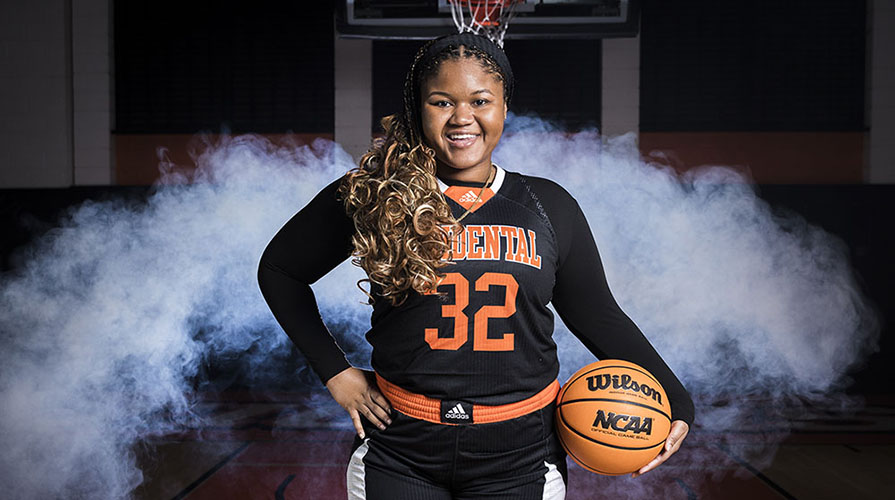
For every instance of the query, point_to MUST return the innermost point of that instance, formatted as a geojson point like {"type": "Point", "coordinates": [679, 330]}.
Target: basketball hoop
{"type": "Point", "coordinates": [484, 17]}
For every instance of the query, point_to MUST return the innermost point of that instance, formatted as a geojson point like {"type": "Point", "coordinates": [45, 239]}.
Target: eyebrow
{"type": "Point", "coordinates": [439, 92]}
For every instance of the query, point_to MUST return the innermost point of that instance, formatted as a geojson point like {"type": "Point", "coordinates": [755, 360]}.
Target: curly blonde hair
{"type": "Point", "coordinates": [398, 211]}
{"type": "Point", "coordinates": [400, 215]}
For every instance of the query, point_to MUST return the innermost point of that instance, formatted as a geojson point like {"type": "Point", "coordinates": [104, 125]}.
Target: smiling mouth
{"type": "Point", "coordinates": [461, 140]}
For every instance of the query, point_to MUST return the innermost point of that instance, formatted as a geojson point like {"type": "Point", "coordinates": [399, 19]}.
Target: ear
{"type": "Point", "coordinates": [504, 110]}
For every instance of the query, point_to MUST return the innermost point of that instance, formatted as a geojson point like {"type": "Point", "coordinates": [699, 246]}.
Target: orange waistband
{"type": "Point", "coordinates": [431, 409]}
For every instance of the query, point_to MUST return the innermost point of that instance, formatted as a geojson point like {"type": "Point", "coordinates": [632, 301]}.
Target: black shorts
{"type": "Point", "coordinates": [413, 459]}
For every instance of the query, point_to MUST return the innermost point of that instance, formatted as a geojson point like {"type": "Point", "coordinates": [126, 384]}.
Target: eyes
{"type": "Point", "coordinates": [443, 103]}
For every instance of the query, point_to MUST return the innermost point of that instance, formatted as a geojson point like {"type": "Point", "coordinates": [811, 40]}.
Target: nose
{"type": "Point", "coordinates": [463, 115]}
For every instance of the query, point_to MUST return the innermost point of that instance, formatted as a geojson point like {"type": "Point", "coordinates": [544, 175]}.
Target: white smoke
{"type": "Point", "coordinates": [107, 324]}
{"type": "Point", "coordinates": [757, 313]}
{"type": "Point", "coordinates": [717, 281]}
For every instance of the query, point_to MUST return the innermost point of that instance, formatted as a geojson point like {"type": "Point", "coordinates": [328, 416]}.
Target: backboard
{"type": "Point", "coordinates": [534, 19]}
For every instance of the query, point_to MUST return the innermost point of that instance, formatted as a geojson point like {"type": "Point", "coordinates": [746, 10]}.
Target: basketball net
{"type": "Point", "coordinates": [484, 17]}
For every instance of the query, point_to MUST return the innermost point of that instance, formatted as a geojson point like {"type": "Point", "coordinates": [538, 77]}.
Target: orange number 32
{"type": "Point", "coordinates": [481, 341]}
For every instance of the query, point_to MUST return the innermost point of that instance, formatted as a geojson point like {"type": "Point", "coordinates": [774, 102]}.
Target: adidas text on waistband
{"type": "Point", "coordinates": [453, 412]}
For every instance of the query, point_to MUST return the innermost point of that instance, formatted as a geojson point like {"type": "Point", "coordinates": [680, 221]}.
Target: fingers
{"type": "Point", "coordinates": [378, 408]}
{"type": "Point", "coordinates": [676, 435]}
{"type": "Point", "coordinates": [355, 390]}
{"type": "Point", "coordinates": [673, 442]}
{"type": "Point", "coordinates": [652, 465]}
{"type": "Point", "coordinates": [679, 431]}
{"type": "Point", "coordinates": [374, 395]}
{"type": "Point", "coordinates": [375, 414]}
{"type": "Point", "coordinates": [379, 416]}
{"type": "Point", "coordinates": [381, 401]}
{"type": "Point", "coordinates": [373, 407]}
{"type": "Point", "coordinates": [358, 426]}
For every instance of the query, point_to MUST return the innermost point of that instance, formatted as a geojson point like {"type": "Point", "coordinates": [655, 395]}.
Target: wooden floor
{"type": "Point", "coordinates": [285, 446]}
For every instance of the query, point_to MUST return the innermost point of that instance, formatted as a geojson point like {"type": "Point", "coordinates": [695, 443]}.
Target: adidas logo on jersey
{"type": "Point", "coordinates": [457, 412]}
{"type": "Point", "coordinates": [469, 197]}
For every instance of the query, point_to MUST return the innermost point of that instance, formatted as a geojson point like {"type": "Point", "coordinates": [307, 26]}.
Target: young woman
{"type": "Point", "coordinates": [462, 258]}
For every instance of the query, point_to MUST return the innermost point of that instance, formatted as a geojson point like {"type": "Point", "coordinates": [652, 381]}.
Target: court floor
{"type": "Point", "coordinates": [284, 446]}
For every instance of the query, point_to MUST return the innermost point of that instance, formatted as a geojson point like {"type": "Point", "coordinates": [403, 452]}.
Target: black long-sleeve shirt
{"type": "Point", "coordinates": [488, 338]}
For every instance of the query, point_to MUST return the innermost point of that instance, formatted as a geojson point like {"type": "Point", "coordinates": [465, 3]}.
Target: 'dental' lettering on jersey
{"type": "Point", "coordinates": [494, 242]}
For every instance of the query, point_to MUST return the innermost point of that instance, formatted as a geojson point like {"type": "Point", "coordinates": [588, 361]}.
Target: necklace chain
{"type": "Point", "coordinates": [491, 175]}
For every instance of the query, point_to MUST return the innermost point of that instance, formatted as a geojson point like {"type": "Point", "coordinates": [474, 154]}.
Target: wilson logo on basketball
{"type": "Point", "coordinates": [624, 383]}
{"type": "Point", "coordinates": [624, 423]}
{"type": "Point", "coordinates": [613, 423]}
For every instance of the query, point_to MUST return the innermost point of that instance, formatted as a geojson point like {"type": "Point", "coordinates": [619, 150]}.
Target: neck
{"type": "Point", "coordinates": [478, 173]}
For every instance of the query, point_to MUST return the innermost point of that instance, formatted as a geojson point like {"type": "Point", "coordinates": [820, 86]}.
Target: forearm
{"type": "Point", "coordinates": [309, 245]}
{"type": "Point", "coordinates": [615, 336]}
{"type": "Point", "coordinates": [585, 303]}
{"type": "Point", "coordinates": [294, 306]}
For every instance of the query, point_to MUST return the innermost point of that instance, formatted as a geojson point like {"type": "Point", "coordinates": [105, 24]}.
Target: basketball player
{"type": "Point", "coordinates": [462, 258]}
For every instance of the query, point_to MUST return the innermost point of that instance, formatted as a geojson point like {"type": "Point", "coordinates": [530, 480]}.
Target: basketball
{"type": "Point", "coordinates": [612, 417]}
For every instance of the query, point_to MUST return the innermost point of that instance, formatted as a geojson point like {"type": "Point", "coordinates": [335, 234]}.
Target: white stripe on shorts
{"type": "Point", "coordinates": [356, 473]}
{"type": "Point", "coordinates": [554, 487]}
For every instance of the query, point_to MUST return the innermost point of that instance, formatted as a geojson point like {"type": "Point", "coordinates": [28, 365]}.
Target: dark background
{"type": "Point", "coordinates": [705, 66]}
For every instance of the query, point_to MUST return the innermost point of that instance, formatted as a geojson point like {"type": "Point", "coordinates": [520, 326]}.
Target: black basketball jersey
{"type": "Point", "coordinates": [486, 337]}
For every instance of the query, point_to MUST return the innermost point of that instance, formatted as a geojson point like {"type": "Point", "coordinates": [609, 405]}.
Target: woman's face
{"type": "Point", "coordinates": [463, 111]}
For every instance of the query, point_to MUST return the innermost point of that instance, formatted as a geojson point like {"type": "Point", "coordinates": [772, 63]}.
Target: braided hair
{"type": "Point", "coordinates": [393, 195]}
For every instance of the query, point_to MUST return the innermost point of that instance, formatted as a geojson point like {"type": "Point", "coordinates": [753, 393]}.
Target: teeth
{"type": "Point", "coordinates": [457, 137]}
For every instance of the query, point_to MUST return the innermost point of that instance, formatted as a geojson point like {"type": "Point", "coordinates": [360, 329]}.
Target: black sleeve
{"type": "Point", "coordinates": [582, 298]}
{"type": "Point", "coordinates": [312, 243]}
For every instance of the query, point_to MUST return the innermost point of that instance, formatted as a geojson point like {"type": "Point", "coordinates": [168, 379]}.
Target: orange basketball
{"type": "Point", "coordinates": [612, 417]}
